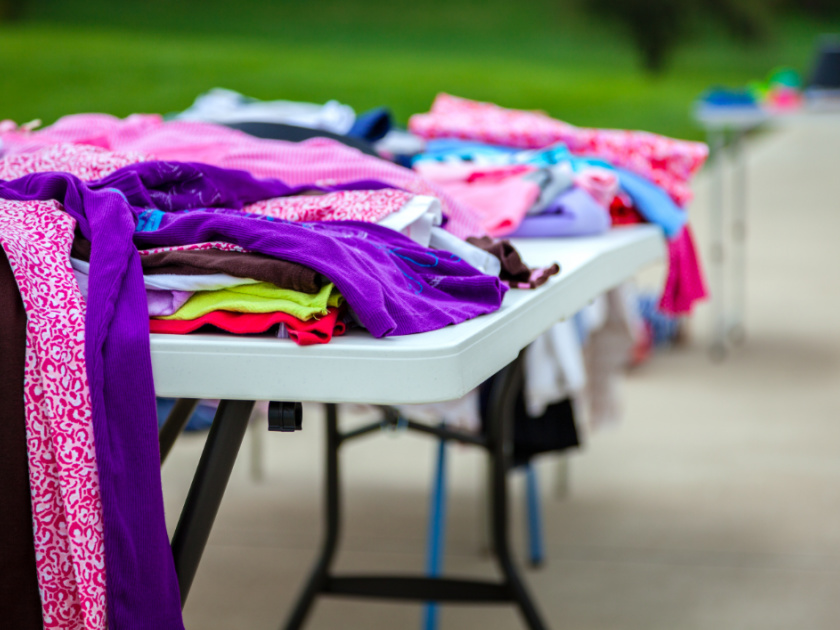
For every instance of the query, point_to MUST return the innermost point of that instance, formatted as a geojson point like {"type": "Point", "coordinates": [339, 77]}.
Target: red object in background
{"type": "Point", "coordinates": [622, 211]}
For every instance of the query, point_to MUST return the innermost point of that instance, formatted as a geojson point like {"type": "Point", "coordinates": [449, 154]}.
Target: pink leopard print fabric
{"type": "Point", "coordinates": [351, 205]}
{"type": "Point", "coordinates": [667, 162]}
{"type": "Point", "coordinates": [220, 245]}
{"type": "Point", "coordinates": [85, 162]}
{"type": "Point", "coordinates": [66, 504]}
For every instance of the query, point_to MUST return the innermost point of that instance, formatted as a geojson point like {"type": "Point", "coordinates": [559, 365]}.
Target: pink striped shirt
{"type": "Point", "coordinates": [318, 161]}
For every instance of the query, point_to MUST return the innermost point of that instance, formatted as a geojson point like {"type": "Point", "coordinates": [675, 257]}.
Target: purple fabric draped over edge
{"type": "Point", "coordinates": [395, 286]}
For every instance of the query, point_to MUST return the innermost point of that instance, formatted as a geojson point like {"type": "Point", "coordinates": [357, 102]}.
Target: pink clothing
{"type": "Point", "coordinates": [498, 195]}
{"type": "Point", "coordinates": [667, 162]}
{"type": "Point", "coordinates": [350, 205]}
{"type": "Point", "coordinates": [318, 161]}
{"type": "Point", "coordinates": [685, 284]}
{"type": "Point", "coordinates": [64, 482]}
{"type": "Point", "coordinates": [601, 183]}
{"type": "Point", "coordinates": [91, 163]}
{"type": "Point", "coordinates": [85, 162]}
{"type": "Point", "coordinates": [220, 245]}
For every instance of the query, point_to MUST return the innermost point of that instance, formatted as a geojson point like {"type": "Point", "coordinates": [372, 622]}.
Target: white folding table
{"type": "Point", "coordinates": [737, 122]}
{"type": "Point", "coordinates": [724, 124]}
{"type": "Point", "coordinates": [429, 367]}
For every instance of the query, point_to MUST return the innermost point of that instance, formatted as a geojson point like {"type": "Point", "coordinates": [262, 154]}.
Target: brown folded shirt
{"type": "Point", "coordinates": [285, 274]}
{"type": "Point", "coordinates": [20, 603]}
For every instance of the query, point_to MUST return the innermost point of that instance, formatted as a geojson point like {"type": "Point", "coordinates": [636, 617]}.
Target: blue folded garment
{"type": "Point", "coordinates": [724, 97]}
{"type": "Point", "coordinates": [372, 125]}
{"type": "Point", "coordinates": [652, 202]}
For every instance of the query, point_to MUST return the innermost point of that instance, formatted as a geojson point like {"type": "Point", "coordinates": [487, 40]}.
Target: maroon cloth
{"type": "Point", "coordinates": [515, 273]}
{"type": "Point", "coordinates": [282, 273]}
{"type": "Point", "coordinates": [20, 603]}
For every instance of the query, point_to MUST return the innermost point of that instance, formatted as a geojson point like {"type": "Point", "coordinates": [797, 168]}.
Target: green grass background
{"type": "Point", "coordinates": [71, 56]}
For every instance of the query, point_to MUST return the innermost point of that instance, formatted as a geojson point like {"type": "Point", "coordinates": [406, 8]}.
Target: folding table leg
{"type": "Point", "coordinates": [536, 551]}
{"type": "Point", "coordinates": [500, 439]}
{"type": "Point", "coordinates": [437, 535]}
{"type": "Point", "coordinates": [717, 252]}
{"type": "Point", "coordinates": [332, 512]}
{"type": "Point", "coordinates": [174, 425]}
{"type": "Point", "coordinates": [424, 589]}
{"type": "Point", "coordinates": [208, 488]}
{"type": "Point", "coordinates": [736, 326]}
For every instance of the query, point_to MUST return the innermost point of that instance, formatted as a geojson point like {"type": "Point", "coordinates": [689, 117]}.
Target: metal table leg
{"type": "Point", "coordinates": [436, 543]}
{"type": "Point", "coordinates": [533, 517]}
{"type": "Point", "coordinates": [736, 330]}
{"type": "Point", "coordinates": [208, 488]}
{"type": "Point", "coordinates": [717, 253]}
{"type": "Point", "coordinates": [500, 442]}
{"type": "Point", "coordinates": [317, 580]}
{"type": "Point", "coordinates": [174, 425]}
{"type": "Point", "coordinates": [422, 588]}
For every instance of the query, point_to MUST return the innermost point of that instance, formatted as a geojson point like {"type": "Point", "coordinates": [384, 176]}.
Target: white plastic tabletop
{"type": "Point", "coordinates": [719, 118]}
{"type": "Point", "coordinates": [428, 367]}
{"type": "Point", "coordinates": [731, 117]}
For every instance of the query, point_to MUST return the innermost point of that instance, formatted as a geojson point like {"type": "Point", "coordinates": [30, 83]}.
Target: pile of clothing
{"type": "Point", "coordinates": [526, 174]}
{"type": "Point", "coordinates": [294, 220]}
{"type": "Point", "coordinates": [780, 92]}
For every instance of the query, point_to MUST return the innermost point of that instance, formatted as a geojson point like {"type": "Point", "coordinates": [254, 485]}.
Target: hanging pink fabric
{"type": "Point", "coordinates": [66, 504]}
{"type": "Point", "coordinates": [318, 161]}
{"type": "Point", "coordinates": [685, 284]}
{"type": "Point", "coordinates": [667, 162]}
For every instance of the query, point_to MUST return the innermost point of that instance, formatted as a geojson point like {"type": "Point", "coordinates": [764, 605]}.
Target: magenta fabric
{"type": "Point", "coordinates": [685, 284]}
{"type": "Point", "coordinates": [318, 161]}
{"type": "Point", "coordinates": [668, 162]}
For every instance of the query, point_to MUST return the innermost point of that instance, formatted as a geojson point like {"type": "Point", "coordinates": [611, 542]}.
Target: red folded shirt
{"type": "Point", "coordinates": [304, 333]}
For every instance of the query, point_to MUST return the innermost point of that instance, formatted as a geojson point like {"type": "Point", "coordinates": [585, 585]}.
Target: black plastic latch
{"type": "Point", "coordinates": [285, 416]}
{"type": "Point", "coordinates": [392, 420]}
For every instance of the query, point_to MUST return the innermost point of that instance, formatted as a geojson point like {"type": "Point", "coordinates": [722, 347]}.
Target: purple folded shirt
{"type": "Point", "coordinates": [163, 303]}
{"type": "Point", "coordinates": [574, 213]}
